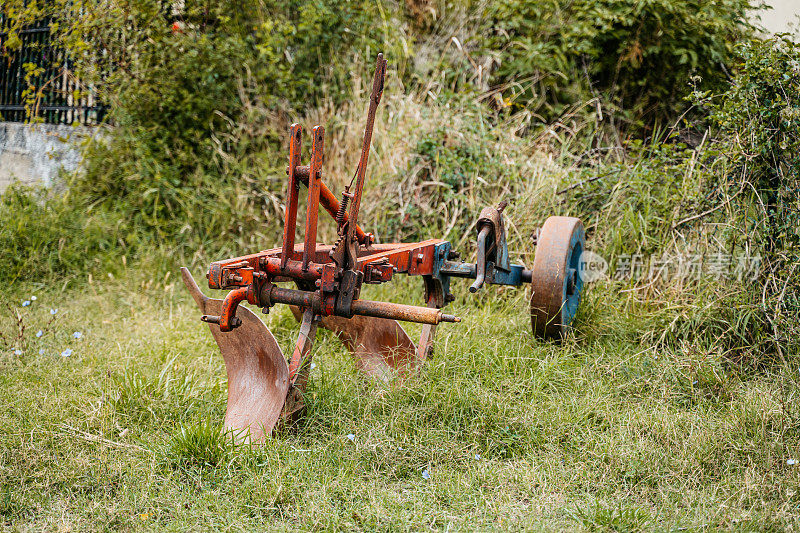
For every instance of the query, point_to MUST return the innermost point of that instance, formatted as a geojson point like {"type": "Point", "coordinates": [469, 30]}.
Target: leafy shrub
{"type": "Point", "coordinates": [735, 193]}
{"type": "Point", "coordinates": [759, 121]}
{"type": "Point", "coordinates": [178, 165]}
{"type": "Point", "coordinates": [760, 117]}
{"type": "Point", "coordinates": [555, 55]}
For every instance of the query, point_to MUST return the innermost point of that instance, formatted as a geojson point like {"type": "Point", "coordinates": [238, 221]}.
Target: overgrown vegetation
{"type": "Point", "coordinates": [201, 96]}
{"type": "Point", "coordinates": [42, 235]}
{"type": "Point", "coordinates": [670, 407]}
{"type": "Point", "coordinates": [630, 61]}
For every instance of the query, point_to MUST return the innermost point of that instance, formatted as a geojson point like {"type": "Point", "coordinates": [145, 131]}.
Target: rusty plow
{"type": "Point", "coordinates": [325, 282]}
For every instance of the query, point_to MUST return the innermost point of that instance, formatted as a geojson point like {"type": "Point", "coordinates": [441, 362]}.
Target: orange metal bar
{"type": "Point", "coordinates": [290, 223]}
{"type": "Point", "coordinates": [314, 182]}
{"type": "Point", "coordinates": [331, 204]}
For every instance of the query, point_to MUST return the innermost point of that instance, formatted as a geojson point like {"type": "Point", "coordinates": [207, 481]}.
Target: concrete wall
{"type": "Point", "coordinates": [782, 18]}
{"type": "Point", "coordinates": [34, 153]}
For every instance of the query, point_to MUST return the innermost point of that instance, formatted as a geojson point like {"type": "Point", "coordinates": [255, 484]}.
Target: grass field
{"type": "Point", "coordinates": [499, 431]}
{"type": "Point", "coordinates": [673, 136]}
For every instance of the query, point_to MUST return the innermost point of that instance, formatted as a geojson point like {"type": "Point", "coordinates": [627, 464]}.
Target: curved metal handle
{"type": "Point", "coordinates": [227, 319]}
{"type": "Point", "coordinates": [480, 265]}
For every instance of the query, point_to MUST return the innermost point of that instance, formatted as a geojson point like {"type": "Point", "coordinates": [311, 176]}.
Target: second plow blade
{"type": "Point", "coordinates": [381, 347]}
{"type": "Point", "coordinates": [258, 376]}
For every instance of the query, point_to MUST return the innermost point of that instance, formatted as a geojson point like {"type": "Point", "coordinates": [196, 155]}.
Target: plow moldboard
{"type": "Point", "coordinates": [258, 376]}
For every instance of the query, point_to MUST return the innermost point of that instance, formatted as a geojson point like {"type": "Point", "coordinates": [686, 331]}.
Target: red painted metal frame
{"type": "Point", "coordinates": [415, 259]}
{"type": "Point", "coordinates": [336, 271]}
{"type": "Point", "coordinates": [314, 181]}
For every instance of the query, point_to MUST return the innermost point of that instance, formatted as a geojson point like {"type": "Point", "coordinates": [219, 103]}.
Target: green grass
{"type": "Point", "coordinates": [600, 433]}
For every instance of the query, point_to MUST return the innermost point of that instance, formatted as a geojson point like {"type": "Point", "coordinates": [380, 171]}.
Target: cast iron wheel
{"type": "Point", "coordinates": [556, 283]}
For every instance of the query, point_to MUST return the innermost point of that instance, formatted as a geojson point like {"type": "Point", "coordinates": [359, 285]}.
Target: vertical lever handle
{"type": "Point", "coordinates": [480, 264]}
{"type": "Point", "coordinates": [375, 98]}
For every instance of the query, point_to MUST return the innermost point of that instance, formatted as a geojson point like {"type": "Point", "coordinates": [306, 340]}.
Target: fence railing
{"type": "Point", "coordinates": [37, 82]}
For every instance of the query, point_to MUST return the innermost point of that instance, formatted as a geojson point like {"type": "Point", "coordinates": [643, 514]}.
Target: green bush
{"type": "Point", "coordinates": [633, 55]}
{"type": "Point", "coordinates": [759, 121]}
{"type": "Point", "coordinates": [200, 110]}
{"type": "Point", "coordinates": [759, 116]}
{"type": "Point", "coordinates": [736, 193]}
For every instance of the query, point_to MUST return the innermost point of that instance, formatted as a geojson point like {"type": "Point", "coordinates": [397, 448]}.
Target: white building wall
{"type": "Point", "coordinates": [784, 17]}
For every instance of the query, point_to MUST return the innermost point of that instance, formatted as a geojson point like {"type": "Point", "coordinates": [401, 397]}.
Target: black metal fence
{"type": "Point", "coordinates": [37, 81]}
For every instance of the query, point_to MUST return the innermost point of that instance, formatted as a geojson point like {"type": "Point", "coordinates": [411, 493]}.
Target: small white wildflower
{"type": "Point", "coordinates": [77, 334]}
{"type": "Point", "coordinates": [33, 298]}
{"type": "Point", "coordinates": [41, 351]}
{"type": "Point", "coordinates": [66, 353]}
{"type": "Point", "coordinates": [426, 474]}
{"type": "Point", "coordinates": [351, 437]}
{"type": "Point", "coordinates": [26, 303]}
{"type": "Point", "coordinates": [694, 383]}
{"type": "Point", "coordinates": [791, 462]}
{"type": "Point", "coordinates": [53, 311]}
{"type": "Point", "coordinates": [477, 457]}
{"type": "Point", "coordinates": [39, 333]}
{"type": "Point", "coordinates": [17, 352]}
{"type": "Point", "coordinates": [313, 366]}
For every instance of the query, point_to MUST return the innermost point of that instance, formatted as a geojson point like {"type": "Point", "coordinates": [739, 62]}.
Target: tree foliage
{"type": "Point", "coordinates": [635, 56]}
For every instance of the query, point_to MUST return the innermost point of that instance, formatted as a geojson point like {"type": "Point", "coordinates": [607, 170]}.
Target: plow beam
{"type": "Point", "coordinates": [311, 300]}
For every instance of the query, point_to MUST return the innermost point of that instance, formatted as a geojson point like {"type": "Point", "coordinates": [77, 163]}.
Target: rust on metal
{"type": "Point", "coordinates": [314, 182]}
{"type": "Point", "coordinates": [555, 284]}
{"type": "Point", "coordinates": [381, 347]}
{"type": "Point", "coordinates": [361, 171]}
